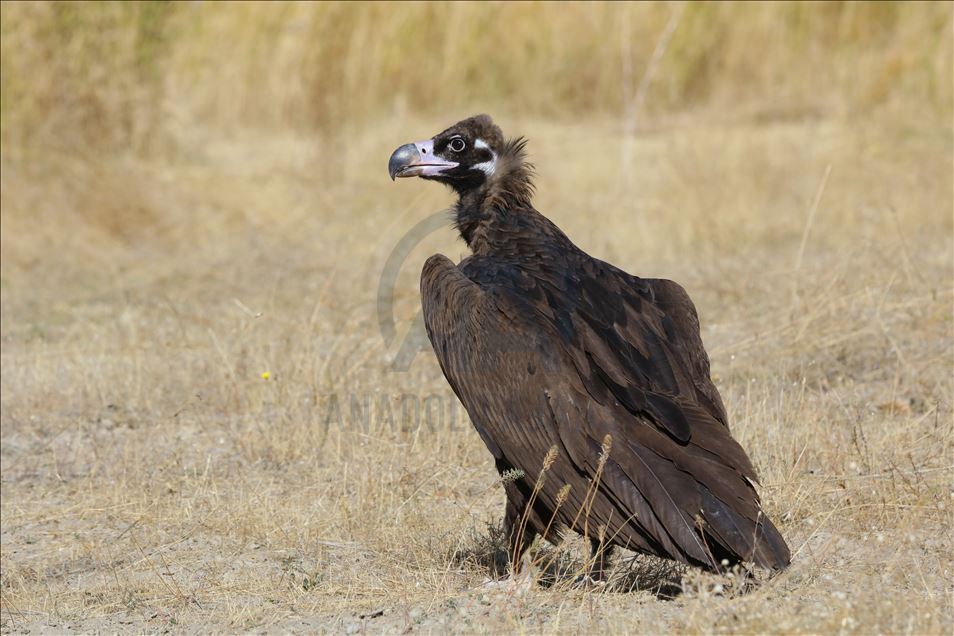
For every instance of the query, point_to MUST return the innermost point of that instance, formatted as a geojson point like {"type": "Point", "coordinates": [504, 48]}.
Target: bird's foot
{"type": "Point", "coordinates": [497, 584]}
{"type": "Point", "coordinates": [591, 581]}
{"type": "Point", "coordinates": [514, 584]}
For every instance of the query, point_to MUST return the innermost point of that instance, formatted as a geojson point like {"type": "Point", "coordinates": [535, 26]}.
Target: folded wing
{"type": "Point", "coordinates": [542, 361]}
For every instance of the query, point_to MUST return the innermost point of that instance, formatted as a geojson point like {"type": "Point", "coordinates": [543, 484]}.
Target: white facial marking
{"type": "Point", "coordinates": [488, 167]}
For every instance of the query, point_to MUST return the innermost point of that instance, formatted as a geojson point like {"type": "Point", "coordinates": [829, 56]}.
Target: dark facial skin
{"type": "Point", "coordinates": [472, 144]}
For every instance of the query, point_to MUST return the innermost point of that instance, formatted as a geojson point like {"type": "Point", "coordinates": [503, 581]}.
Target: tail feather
{"type": "Point", "coordinates": [744, 539]}
{"type": "Point", "coordinates": [771, 551]}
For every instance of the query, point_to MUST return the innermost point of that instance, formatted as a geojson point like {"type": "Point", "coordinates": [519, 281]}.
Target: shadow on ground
{"type": "Point", "coordinates": [561, 566]}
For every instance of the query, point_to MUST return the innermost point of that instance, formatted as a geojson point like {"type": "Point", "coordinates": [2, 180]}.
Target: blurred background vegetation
{"type": "Point", "coordinates": [155, 140]}
{"type": "Point", "coordinates": [141, 76]}
{"type": "Point", "coordinates": [195, 193]}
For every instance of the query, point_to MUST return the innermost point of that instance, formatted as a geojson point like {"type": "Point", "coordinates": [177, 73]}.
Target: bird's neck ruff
{"type": "Point", "coordinates": [508, 190]}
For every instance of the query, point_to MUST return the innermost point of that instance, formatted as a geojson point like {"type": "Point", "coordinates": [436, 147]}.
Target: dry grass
{"type": "Point", "coordinates": [118, 75]}
{"type": "Point", "coordinates": [152, 479]}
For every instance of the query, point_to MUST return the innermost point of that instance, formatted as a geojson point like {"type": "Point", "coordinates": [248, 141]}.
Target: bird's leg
{"type": "Point", "coordinates": [597, 569]}
{"type": "Point", "coordinates": [600, 553]}
{"type": "Point", "coordinates": [517, 535]}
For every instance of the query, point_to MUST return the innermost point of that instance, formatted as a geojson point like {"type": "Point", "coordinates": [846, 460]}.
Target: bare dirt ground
{"type": "Point", "coordinates": [202, 430]}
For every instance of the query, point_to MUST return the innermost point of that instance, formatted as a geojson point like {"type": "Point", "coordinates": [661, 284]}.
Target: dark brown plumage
{"type": "Point", "coordinates": [549, 348]}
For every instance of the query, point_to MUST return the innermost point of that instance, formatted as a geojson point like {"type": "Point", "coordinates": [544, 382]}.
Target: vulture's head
{"type": "Point", "coordinates": [467, 156]}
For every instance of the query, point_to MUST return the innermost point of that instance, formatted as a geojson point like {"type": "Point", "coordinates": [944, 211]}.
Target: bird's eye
{"type": "Point", "coordinates": [457, 144]}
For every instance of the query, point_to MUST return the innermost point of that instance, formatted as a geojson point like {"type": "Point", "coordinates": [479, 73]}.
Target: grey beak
{"type": "Point", "coordinates": [404, 157]}
{"type": "Point", "coordinates": [418, 160]}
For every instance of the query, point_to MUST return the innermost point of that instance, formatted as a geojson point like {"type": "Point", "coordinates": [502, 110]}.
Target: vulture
{"type": "Point", "coordinates": [589, 386]}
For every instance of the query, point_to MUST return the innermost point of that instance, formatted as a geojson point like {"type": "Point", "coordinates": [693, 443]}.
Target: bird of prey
{"type": "Point", "coordinates": [589, 386]}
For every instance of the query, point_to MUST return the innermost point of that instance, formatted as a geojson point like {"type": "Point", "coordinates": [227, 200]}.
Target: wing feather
{"type": "Point", "coordinates": [565, 360]}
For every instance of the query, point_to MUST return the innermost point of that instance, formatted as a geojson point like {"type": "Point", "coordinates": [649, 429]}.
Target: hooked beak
{"type": "Point", "coordinates": [417, 160]}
